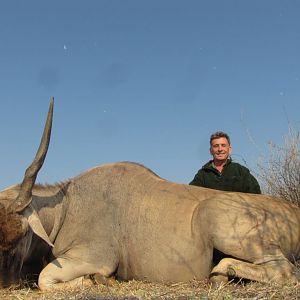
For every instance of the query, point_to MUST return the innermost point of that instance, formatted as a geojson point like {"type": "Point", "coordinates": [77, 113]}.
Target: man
{"type": "Point", "coordinates": [221, 173]}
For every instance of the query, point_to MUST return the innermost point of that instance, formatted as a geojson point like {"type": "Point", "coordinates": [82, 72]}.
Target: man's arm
{"type": "Point", "coordinates": [252, 184]}
{"type": "Point", "coordinates": [198, 179]}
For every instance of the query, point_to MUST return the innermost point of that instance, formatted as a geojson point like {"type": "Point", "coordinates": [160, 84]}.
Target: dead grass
{"type": "Point", "coordinates": [141, 290]}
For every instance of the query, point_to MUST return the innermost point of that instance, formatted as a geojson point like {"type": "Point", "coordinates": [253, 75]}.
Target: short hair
{"type": "Point", "coordinates": [219, 134]}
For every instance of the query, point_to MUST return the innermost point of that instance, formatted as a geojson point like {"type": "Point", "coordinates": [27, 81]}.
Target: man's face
{"type": "Point", "coordinates": [220, 149]}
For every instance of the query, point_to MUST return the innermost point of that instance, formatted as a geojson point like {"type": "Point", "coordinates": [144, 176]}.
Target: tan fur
{"type": "Point", "coordinates": [9, 193]}
{"type": "Point", "coordinates": [121, 219]}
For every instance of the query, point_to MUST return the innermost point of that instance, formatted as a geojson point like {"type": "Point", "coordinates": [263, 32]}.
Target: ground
{"type": "Point", "coordinates": [141, 290]}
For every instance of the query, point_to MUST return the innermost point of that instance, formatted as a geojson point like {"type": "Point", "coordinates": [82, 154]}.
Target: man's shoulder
{"type": "Point", "coordinates": [207, 166]}
{"type": "Point", "coordinates": [236, 165]}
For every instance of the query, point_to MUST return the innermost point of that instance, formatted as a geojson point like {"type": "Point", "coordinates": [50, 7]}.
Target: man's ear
{"type": "Point", "coordinates": [230, 150]}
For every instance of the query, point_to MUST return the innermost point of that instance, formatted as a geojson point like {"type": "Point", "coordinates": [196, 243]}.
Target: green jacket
{"type": "Point", "coordinates": [234, 177]}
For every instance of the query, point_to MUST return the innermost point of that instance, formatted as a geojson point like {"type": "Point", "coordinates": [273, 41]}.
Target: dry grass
{"type": "Point", "coordinates": [142, 290]}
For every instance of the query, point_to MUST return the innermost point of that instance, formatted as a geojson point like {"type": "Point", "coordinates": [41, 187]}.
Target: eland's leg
{"type": "Point", "coordinates": [69, 271]}
{"type": "Point", "coordinates": [274, 269]}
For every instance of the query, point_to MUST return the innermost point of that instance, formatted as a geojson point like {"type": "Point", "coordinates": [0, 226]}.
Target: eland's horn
{"type": "Point", "coordinates": [25, 194]}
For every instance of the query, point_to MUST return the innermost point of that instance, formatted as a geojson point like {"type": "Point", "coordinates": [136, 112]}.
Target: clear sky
{"type": "Point", "coordinates": [145, 81]}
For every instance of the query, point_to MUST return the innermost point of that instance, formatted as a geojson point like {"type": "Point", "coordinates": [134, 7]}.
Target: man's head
{"type": "Point", "coordinates": [220, 147]}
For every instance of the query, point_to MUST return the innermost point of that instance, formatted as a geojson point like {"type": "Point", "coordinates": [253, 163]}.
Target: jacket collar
{"type": "Point", "coordinates": [210, 165]}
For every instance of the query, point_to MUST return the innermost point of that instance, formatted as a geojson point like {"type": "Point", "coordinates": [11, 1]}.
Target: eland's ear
{"type": "Point", "coordinates": [35, 224]}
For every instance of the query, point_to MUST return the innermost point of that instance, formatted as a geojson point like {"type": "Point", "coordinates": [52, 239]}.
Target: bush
{"type": "Point", "coordinates": [280, 172]}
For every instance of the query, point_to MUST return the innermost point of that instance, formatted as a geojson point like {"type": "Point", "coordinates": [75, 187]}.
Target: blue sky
{"type": "Point", "coordinates": [145, 81]}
